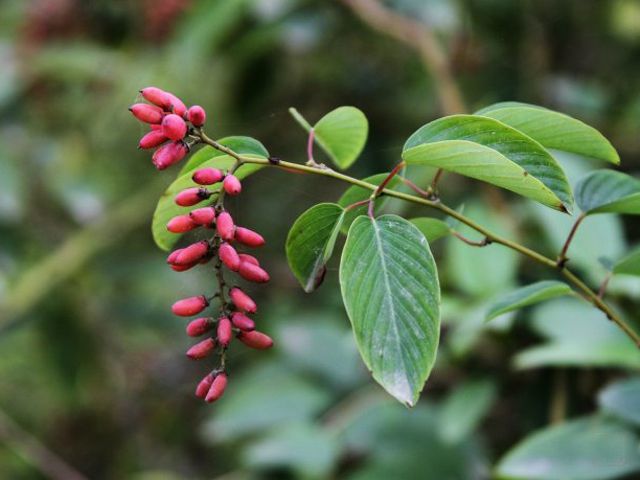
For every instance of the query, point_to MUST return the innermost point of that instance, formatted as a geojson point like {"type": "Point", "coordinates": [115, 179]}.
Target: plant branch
{"type": "Point", "coordinates": [491, 237]}
{"type": "Point", "coordinates": [562, 258]}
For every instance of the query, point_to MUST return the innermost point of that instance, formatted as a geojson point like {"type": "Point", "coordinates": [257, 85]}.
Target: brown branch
{"type": "Point", "coordinates": [420, 38]}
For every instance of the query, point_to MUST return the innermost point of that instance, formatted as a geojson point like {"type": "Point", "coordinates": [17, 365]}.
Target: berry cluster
{"type": "Point", "coordinates": [169, 132]}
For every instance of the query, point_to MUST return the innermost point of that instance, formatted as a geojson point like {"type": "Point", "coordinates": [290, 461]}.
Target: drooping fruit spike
{"type": "Point", "coordinates": [146, 113]}
{"type": "Point", "coordinates": [225, 226]}
{"type": "Point", "coordinates": [174, 127]}
{"type": "Point", "coordinates": [196, 115]}
{"type": "Point", "coordinates": [181, 224]}
{"type": "Point", "coordinates": [255, 339]}
{"type": "Point", "coordinates": [178, 107]}
{"type": "Point", "coordinates": [248, 237]}
{"type": "Point", "coordinates": [169, 154]}
{"type": "Point", "coordinates": [217, 388]}
{"type": "Point", "coordinates": [157, 96]}
{"type": "Point", "coordinates": [193, 253]}
{"type": "Point", "coordinates": [231, 185]}
{"type": "Point", "coordinates": [207, 176]}
{"type": "Point", "coordinates": [242, 301]}
{"type": "Point", "coordinates": [152, 139]}
{"type": "Point", "coordinates": [229, 257]}
{"type": "Point", "coordinates": [192, 196]}
{"type": "Point", "coordinates": [190, 306]}
{"type": "Point", "coordinates": [201, 349]}
{"type": "Point", "coordinates": [224, 331]}
{"type": "Point", "coordinates": [253, 273]}
{"type": "Point", "coordinates": [204, 386]}
{"type": "Point", "coordinates": [241, 321]}
{"type": "Point", "coordinates": [203, 216]}
{"type": "Point", "coordinates": [245, 257]}
{"type": "Point", "coordinates": [199, 326]}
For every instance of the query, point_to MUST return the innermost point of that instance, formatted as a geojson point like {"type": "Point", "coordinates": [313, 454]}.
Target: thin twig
{"type": "Point", "coordinates": [562, 257]}
{"type": "Point", "coordinates": [603, 286]}
{"type": "Point", "coordinates": [482, 243]}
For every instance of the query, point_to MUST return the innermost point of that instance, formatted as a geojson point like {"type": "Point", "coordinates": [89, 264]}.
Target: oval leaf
{"type": "Point", "coordinates": [391, 293]}
{"type": "Point", "coordinates": [239, 144]}
{"type": "Point", "coordinates": [483, 163]}
{"type": "Point", "coordinates": [509, 142]}
{"type": "Point", "coordinates": [585, 449]}
{"type": "Point", "coordinates": [310, 243]}
{"type": "Point", "coordinates": [432, 228]}
{"type": "Point", "coordinates": [529, 295]}
{"type": "Point", "coordinates": [608, 191]}
{"type": "Point", "coordinates": [355, 194]}
{"type": "Point", "coordinates": [622, 400]}
{"type": "Point", "coordinates": [629, 264]}
{"type": "Point", "coordinates": [553, 129]}
{"type": "Point", "coordinates": [342, 133]}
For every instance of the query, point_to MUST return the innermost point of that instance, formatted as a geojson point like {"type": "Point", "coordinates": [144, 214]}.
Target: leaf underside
{"type": "Point", "coordinates": [529, 295]}
{"type": "Point", "coordinates": [608, 191]}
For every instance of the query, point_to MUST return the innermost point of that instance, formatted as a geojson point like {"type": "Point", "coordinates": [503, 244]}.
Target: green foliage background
{"type": "Point", "coordinates": [91, 360]}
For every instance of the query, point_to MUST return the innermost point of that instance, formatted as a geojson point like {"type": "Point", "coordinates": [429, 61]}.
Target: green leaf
{"type": "Point", "coordinates": [629, 264]}
{"type": "Point", "coordinates": [391, 293]}
{"type": "Point", "coordinates": [591, 448]}
{"type": "Point", "coordinates": [577, 335]}
{"type": "Point", "coordinates": [608, 191]}
{"type": "Point", "coordinates": [432, 228]}
{"type": "Point", "coordinates": [304, 448]}
{"type": "Point", "coordinates": [239, 144]}
{"type": "Point", "coordinates": [480, 162]}
{"type": "Point", "coordinates": [522, 297]}
{"type": "Point", "coordinates": [342, 134]}
{"type": "Point", "coordinates": [355, 194]}
{"type": "Point", "coordinates": [511, 160]}
{"type": "Point", "coordinates": [167, 208]}
{"type": "Point", "coordinates": [622, 400]}
{"type": "Point", "coordinates": [310, 243]}
{"type": "Point", "coordinates": [553, 129]}
{"type": "Point", "coordinates": [464, 408]}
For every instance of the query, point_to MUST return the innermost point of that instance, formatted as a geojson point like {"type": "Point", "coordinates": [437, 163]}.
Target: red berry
{"type": "Point", "coordinates": [192, 196]}
{"type": "Point", "coordinates": [203, 216]}
{"type": "Point", "coordinates": [199, 326]}
{"type": "Point", "coordinates": [229, 257]}
{"type": "Point", "coordinates": [183, 268]}
{"type": "Point", "coordinates": [190, 306]}
{"type": "Point", "coordinates": [248, 237]}
{"type": "Point", "coordinates": [178, 107]}
{"type": "Point", "coordinates": [217, 388]}
{"type": "Point", "coordinates": [253, 273]}
{"type": "Point", "coordinates": [232, 185]}
{"type": "Point", "coordinates": [152, 139]}
{"type": "Point", "coordinates": [204, 386]}
{"type": "Point", "coordinates": [169, 154]}
{"type": "Point", "coordinates": [245, 257]}
{"type": "Point", "coordinates": [196, 115]}
{"type": "Point", "coordinates": [255, 339]}
{"type": "Point", "coordinates": [242, 301]}
{"type": "Point", "coordinates": [225, 226]}
{"type": "Point", "coordinates": [157, 96]}
{"type": "Point", "coordinates": [174, 127]}
{"type": "Point", "coordinates": [181, 224]}
{"type": "Point", "coordinates": [224, 331]}
{"type": "Point", "coordinates": [241, 321]}
{"type": "Point", "coordinates": [201, 349]}
{"type": "Point", "coordinates": [146, 113]}
{"type": "Point", "coordinates": [193, 253]}
{"type": "Point", "coordinates": [207, 176]}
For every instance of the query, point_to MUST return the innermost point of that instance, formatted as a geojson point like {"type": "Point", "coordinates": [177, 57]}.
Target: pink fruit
{"type": "Point", "coordinates": [173, 127]}
{"type": "Point", "coordinates": [192, 196]}
{"type": "Point", "coordinates": [242, 301]}
{"type": "Point", "coordinates": [204, 386]}
{"type": "Point", "coordinates": [181, 224]}
{"type": "Point", "coordinates": [196, 115]}
{"type": "Point", "coordinates": [183, 268]}
{"type": "Point", "coordinates": [176, 105]}
{"type": "Point", "coordinates": [217, 388]}
{"type": "Point", "coordinates": [224, 331]}
{"type": "Point", "coordinates": [152, 139]}
{"type": "Point", "coordinates": [255, 339]}
{"type": "Point", "coordinates": [203, 216]}
{"type": "Point", "coordinates": [232, 185]}
{"type": "Point", "coordinates": [201, 349]}
{"type": "Point", "coordinates": [190, 306]}
{"type": "Point", "coordinates": [245, 257]}
{"type": "Point", "coordinates": [199, 326]}
{"type": "Point", "coordinates": [193, 253]}
{"type": "Point", "coordinates": [229, 257]}
{"type": "Point", "coordinates": [253, 273]}
{"type": "Point", "coordinates": [168, 154]}
{"type": "Point", "coordinates": [207, 176]}
{"type": "Point", "coordinates": [241, 321]}
{"type": "Point", "coordinates": [146, 113]}
{"type": "Point", "coordinates": [225, 226]}
{"type": "Point", "coordinates": [157, 96]}
{"type": "Point", "coordinates": [248, 237]}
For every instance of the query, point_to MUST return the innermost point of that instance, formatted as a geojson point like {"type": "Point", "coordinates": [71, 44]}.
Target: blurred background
{"type": "Point", "coordinates": [93, 378]}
